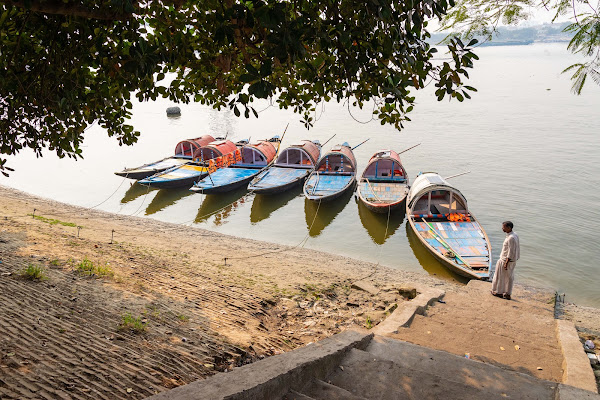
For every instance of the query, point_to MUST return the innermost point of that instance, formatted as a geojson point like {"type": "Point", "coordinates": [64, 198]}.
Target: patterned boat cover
{"type": "Point", "coordinates": [226, 176]}
{"type": "Point", "coordinates": [326, 185]}
{"type": "Point", "coordinates": [276, 176]}
{"type": "Point", "coordinates": [383, 192]}
{"type": "Point", "coordinates": [182, 172]}
{"type": "Point", "coordinates": [466, 238]}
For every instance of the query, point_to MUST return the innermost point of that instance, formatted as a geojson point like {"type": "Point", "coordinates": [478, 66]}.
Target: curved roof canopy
{"type": "Point", "coordinates": [339, 159]}
{"type": "Point", "coordinates": [432, 182]}
{"type": "Point", "coordinates": [214, 149]}
{"type": "Point", "coordinates": [260, 153]}
{"type": "Point", "coordinates": [304, 154]}
{"type": "Point", "coordinates": [385, 164]}
{"type": "Point", "coordinates": [186, 148]}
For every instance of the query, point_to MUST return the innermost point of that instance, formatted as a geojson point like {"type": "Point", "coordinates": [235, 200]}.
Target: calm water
{"type": "Point", "coordinates": [532, 149]}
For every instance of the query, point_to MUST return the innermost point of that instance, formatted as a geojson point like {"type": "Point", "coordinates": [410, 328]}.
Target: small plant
{"type": "Point", "coordinates": [369, 323]}
{"type": "Point", "coordinates": [87, 267]}
{"type": "Point", "coordinates": [131, 323]}
{"type": "Point", "coordinates": [52, 221]}
{"type": "Point", "coordinates": [35, 273]}
{"type": "Point", "coordinates": [55, 262]}
{"type": "Point", "coordinates": [183, 318]}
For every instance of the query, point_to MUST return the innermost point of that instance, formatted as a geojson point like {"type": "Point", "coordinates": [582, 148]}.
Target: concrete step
{"type": "Point", "coordinates": [366, 375]}
{"type": "Point", "coordinates": [320, 390]}
{"type": "Point", "coordinates": [469, 373]}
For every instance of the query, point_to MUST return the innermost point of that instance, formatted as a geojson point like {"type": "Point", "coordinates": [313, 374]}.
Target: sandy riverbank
{"type": "Point", "coordinates": [65, 335]}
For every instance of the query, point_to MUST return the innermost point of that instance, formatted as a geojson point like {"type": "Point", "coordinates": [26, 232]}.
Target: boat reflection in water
{"type": "Point", "coordinates": [222, 205]}
{"type": "Point", "coordinates": [264, 205]}
{"type": "Point", "coordinates": [428, 261]}
{"type": "Point", "coordinates": [375, 223]}
{"type": "Point", "coordinates": [166, 197]}
{"type": "Point", "coordinates": [327, 212]}
{"type": "Point", "coordinates": [135, 190]}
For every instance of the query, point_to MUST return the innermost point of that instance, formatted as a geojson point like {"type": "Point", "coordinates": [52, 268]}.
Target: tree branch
{"type": "Point", "coordinates": [59, 7]}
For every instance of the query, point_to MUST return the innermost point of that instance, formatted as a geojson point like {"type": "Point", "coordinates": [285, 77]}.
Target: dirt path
{"type": "Point", "coordinates": [62, 337]}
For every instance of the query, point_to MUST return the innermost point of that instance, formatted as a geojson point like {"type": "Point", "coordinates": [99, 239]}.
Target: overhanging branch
{"type": "Point", "coordinates": [59, 7]}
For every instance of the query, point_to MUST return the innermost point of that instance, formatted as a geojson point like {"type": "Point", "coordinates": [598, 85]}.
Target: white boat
{"type": "Point", "coordinates": [438, 214]}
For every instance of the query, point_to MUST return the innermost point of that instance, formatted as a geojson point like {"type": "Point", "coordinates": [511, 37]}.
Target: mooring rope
{"type": "Point", "coordinates": [300, 244]}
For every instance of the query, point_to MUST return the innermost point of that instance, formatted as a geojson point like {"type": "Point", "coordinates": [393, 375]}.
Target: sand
{"type": "Point", "coordinates": [161, 308]}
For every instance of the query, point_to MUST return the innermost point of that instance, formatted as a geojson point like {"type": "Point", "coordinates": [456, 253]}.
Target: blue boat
{"type": "Point", "coordinates": [184, 153]}
{"type": "Point", "coordinates": [333, 176]}
{"type": "Point", "coordinates": [289, 170]}
{"type": "Point", "coordinates": [254, 158]}
{"type": "Point", "coordinates": [193, 171]}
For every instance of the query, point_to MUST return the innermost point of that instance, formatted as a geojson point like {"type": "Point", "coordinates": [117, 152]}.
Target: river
{"type": "Point", "coordinates": [532, 148]}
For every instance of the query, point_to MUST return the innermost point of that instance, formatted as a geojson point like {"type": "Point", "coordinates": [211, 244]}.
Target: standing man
{"type": "Point", "coordinates": [504, 276]}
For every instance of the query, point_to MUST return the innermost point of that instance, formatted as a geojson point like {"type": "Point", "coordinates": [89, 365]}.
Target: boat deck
{"type": "Point", "coordinates": [325, 185]}
{"type": "Point", "coordinates": [185, 171]}
{"type": "Point", "coordinates": [383, 192]}
{"type": "Point", "coordinates": [226, 176]}
{"type": "Point", "coordinates": [465, 238]}
{"type": "Point", "coordinates": [279, 176]}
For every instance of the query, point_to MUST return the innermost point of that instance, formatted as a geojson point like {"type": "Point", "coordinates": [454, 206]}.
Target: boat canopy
{"type": "Point", "coordinates": [214, 149]}
{"type": "Point", "coordinates": [186, 148]}
{"type": "Point", "coordinates": [304, 154]}
{"type": "Point", "coordinates": [339, 159]}
{"type": "Point", "coordinates": [260, 153]}
{"type": "Point", "coordinates": [432, 194]}
{"type": "Point", "coordinates": [385, 165]}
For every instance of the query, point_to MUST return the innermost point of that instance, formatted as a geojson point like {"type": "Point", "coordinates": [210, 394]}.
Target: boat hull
{"type": "Point", "coordinates": [172, 183]}
{"type": "Point", "coordinates": [448, 263]}
{"type": "Point", "coordinates": [185, 175]}
{"type": "Point", "coordinates": [284, 180]}
{"type": "Point", "coordinates": [148, 170]}
{"type": "Point", "coordinates": [329, 189]}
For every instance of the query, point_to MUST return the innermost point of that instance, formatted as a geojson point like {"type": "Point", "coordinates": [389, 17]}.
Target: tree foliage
{"type": "Point", "coordinates": [481, 17]}
{"type": "Point", "coordinates": [68, 64]}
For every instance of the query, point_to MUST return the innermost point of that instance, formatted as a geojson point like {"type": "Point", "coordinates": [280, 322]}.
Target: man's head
{"type": "Point", "coordinates": [507, 226]}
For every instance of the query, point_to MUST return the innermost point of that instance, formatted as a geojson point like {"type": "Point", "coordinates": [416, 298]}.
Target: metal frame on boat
{"type": "Point", "coordinates": [334, 174]}
{"type": "Point", "coordinates": [438, 214]}
{"type": "Point", "coordinates": [383, 185]}
{"type": "Point", "coordinates": [184, 151]}
{"type": "Point", "coordinates": [254, 158]}
{"type": "Point", "coordinates": [289, 170]}
{"type": "Point", "coordinates": [193, 171]}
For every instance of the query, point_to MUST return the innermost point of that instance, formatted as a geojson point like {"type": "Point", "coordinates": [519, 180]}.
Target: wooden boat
{"type": "Point", "coordinates": [334, 174]}
{"type": "Point", "coordinates": [254, 158]}
{"type": "Point", "coordinates": [383, 185]}
{"type": "Point", "coordinates": [290, 169]}
{"type": "Point", "coordinates": [184, 152]}
{"type": "Point", "coordinates": [438, 214]}
{"type": "Point", "coordinates": [188, 174]}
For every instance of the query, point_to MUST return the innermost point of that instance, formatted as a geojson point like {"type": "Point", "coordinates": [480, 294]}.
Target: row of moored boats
{"type": "Point", "coordinates": [437, 211]}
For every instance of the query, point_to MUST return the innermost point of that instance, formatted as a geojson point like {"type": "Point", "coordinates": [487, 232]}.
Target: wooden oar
{"type": "Point", "coordinates": [360, 143]}
{"type": "Point", "coordinates": [373, 190]}
{"type": "Point", "coordinates": [404, 151]}
{"type": "Point", "coordinates": [454, 176]}
{"type": "Point", "coordinates": [446, 245]}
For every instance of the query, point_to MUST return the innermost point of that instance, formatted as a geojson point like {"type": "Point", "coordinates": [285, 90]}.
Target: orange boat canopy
{"type": "Point", "coordinates": [339, 159]}
{"type": "Point", "coordinates": [304, 154]}
{"type": "Point", "coordinates": [260, 153]}
{"type": "Point", "coordinates": [214, 149]}
{"type": "Point", "coordinates": [186, 148]}
{"type": "Point", "coordinates": [385, 164]}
